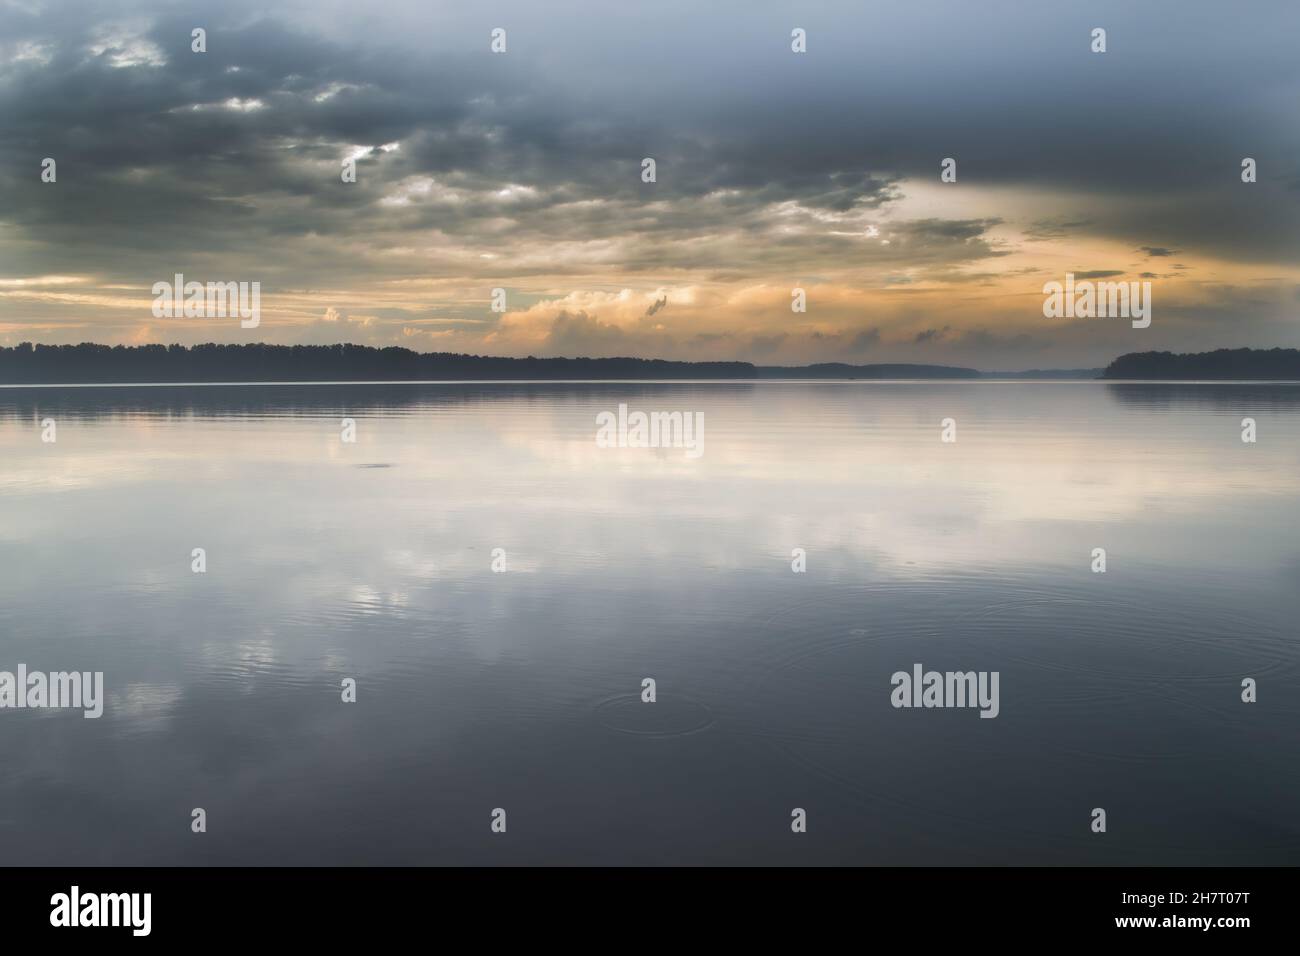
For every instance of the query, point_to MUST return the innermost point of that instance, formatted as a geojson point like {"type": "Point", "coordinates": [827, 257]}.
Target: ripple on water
{"type": "Point", "coordinates": [671, 715]}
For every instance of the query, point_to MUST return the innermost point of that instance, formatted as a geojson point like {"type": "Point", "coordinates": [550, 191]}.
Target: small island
{"type": "Point", "coordinates": [1220, 365]}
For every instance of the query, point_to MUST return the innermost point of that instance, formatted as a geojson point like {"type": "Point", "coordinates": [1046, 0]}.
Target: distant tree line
{"type": "Point", "coordinates": [841, 370]}
{"type": "Point", "coordinates": [1219, 364]}
{"type": "Point", "coordinates": [87, 363]}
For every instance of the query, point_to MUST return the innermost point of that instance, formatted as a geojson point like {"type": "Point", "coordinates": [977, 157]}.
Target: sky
{"type": "Point", "coordinates": [775, 171]}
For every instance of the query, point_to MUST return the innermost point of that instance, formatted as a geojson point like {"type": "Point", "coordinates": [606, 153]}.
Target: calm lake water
{"type": "Point", "coordinates": [522, 690]}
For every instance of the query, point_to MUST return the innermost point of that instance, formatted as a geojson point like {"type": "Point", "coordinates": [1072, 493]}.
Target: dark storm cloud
{"type": "Point", "coordinates": [761, 345]}
{"type": "Point", "coordinates": [865, 339]}
{"type": "Point", "coordinates": [162, 156]}
{"type": "Point", "coordinates": [1044, 229]}
{"type": "Point", "coordinates": [528, 164]}
{"type": "Point", "coordinates": [931, 335]}
{"type": "Point", "coordinates": [172, 160]}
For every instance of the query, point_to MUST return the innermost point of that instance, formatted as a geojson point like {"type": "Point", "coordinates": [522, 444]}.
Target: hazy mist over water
{"type": "Point", "coordinates": [521, 690]}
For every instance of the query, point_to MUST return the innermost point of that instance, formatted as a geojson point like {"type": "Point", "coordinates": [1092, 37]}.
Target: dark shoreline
{"type": "Point", "coordinates": [89, 364]}
{"type": "Point", "coordinates": [256, 363]}
{"type": "Point", "coordinates": [1279, 365]}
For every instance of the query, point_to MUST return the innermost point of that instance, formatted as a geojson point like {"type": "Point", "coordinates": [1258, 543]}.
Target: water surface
{"type": "Point", "coordinates": [521, 690]}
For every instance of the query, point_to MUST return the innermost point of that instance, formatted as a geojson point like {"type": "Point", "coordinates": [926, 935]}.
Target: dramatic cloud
{"type": "Point", "coordinates": [774, 171]}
